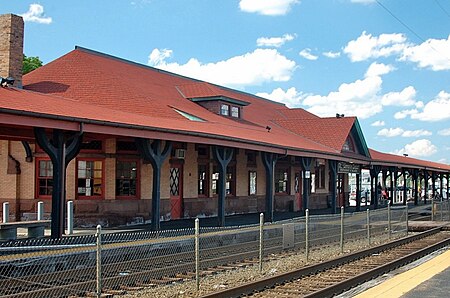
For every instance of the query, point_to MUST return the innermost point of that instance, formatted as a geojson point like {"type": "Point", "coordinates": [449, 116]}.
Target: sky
{"type": "Point", "coordinates": [385, 61]}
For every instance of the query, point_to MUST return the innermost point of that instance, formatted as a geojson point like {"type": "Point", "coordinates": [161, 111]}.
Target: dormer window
{"type": "Point", "coordinates": [224, 110]}
{"type": "Point", "coordinates": [215, 99]}
{"type": "Point", "coordinates": [235, 112]}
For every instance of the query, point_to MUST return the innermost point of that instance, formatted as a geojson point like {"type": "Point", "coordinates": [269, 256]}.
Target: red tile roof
{"type": "Point", "coordinates": [84, 84]}
{"type": "Point", "coordinates": [387, 158]}
{"type": "Point", "coordinates": [296, 113]}
{"type": "Point", "coordinates": [331, 132]}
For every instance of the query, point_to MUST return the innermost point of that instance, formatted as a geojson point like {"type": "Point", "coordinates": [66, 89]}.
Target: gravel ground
{"type": "Point", "coordinates": [227, 279]}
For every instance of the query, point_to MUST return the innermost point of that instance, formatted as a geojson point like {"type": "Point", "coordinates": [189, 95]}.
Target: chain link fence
{"type": "Point", "coordinates": [440, 210]}
{"type": "Point", "coordinates": [79, 266]}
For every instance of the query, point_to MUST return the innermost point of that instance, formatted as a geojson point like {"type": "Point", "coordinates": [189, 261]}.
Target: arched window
{"type": "Point", "coordinates": [349, 145]}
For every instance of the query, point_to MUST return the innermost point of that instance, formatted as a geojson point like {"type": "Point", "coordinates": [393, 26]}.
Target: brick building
{"type": "Point", "coordinates": [126, 141]}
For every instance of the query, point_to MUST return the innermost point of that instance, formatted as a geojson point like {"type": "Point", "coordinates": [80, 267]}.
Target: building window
{"type": "Point", "coordinates": [127, 178]}
{"type": "Point", "coordinates": [251, 158]}
{"type": "Point", "coordinates": [45, 177]}
{"type": "Point", "coordinates": [203, 180]}
{"type": "Point", "coordinates": [230, 183]}
{"type": "Point", "coordinates": [281, 180]}
{"type": "Point", "coordinates": [224, 110]}
{"type": "Point", "coordinates": [235, 112]}
{"type": "Point", "coordinates": [252, 183]}
{"type": "Point", "coordinates": [125, 146]}
{"type": "Point", "coordinates": [349, 145]}
{"type": "Point", "coordinates": [202, 151]}
{"type": "Point", "coordinates": [90, 178]}
{"type": "Point", "coordinates": [320, 177]}
{"type": "Point", "coordinates": [92, 146]}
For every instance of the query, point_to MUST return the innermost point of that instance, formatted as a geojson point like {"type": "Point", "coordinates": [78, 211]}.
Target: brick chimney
{"type": "Point", "coordinates": [11, 47]}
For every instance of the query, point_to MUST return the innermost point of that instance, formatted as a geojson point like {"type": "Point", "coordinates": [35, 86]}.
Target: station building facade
{"type": "Point", "coordinates": [126, 141]}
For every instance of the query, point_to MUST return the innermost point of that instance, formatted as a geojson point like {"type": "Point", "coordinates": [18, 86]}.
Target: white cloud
{"type": "Point", "coordinates": [444, 132]}
{"type": "Point", "coordinates": [422, 147]}
{"type": "Point", "coordinates": [332, 55]}
{"type": "Point", "coordinates": [433, 53]}
{"type": "Point", "coordinates": [306, 53]}
{"type": "Point", "coordinates": [158, 56]}
{"type": "Point", "coordinates": [267, 7]}
{"type": "Point", "coordinates": [378, 69]}
{"type": "Point", "coordinates": [274, 41]}
{"type": "Point", "coordinates": [378, 123]}
{"type": "Point", "coordinates": [367, 46]}
{"type": "Point", "coordinates": [36, 14]}
{"type": "Point", "coordinates": [416, 133]}
{"type": "Point", "coordinates": [390, 132]}
{"type": "Point", "coordinates": [255, 68]}
{"type": "Point", "coordinates": [403, 114]}
{"type": "Point", "coordinates": [290, 97]}
{"type": "Point", "coordinates": [358, 98]}
{"type": "Point", "coordinates": [395, 132]}
{"type": "Point", "coordinates": [437, 109]}
{"type": "Point", "coordinates": [419, 104]}
{"type": "Point", "coordinates": [403, 98]}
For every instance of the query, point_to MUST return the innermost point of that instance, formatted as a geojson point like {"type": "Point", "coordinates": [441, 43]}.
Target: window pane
{"type": "Point", "coordinates": [224, 110]}
{"type": "Point", "coordinates": [126, 176]}
{"type": "Point", "coordinates": [252, 183]}
{"type": "Point", "coordinates": [235, 112]}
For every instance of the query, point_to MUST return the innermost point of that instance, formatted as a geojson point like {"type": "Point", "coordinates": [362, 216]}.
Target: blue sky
{"type": "Point", "coordinates": [385, 61]}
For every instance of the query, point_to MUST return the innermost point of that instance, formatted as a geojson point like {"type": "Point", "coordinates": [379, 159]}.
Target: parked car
{"type": "Point", "coordinates": [365, 196]}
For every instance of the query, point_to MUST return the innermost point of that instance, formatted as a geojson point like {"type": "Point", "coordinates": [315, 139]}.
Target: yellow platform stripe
{"type": "Point", "coordinates": [406, 281]}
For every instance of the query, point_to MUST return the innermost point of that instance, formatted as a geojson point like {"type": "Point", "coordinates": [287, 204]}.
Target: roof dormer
{"type": "Point", "coordinates": [213, 99]}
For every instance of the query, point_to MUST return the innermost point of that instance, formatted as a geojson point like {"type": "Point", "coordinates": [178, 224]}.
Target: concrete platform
{"type": "Point", "coordinates": [429, 279]}
{"type": "Point", "coordinates": [420, 226]}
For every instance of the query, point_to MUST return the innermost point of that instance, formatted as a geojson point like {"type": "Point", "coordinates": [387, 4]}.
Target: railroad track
{"type": "Point", "coordinates": [333, 277]}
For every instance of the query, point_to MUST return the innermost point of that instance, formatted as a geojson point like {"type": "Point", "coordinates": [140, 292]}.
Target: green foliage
{"type": "Point", "coordinates": [30, 64]}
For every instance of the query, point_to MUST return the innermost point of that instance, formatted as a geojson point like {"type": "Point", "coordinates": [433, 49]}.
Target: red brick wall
{"type": "Point", "coordinates": [11, 47]}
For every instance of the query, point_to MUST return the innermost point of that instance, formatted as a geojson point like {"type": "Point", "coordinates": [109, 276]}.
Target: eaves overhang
{"type": "Point", "coordinates": [32, 119]}
{"type": "Point", "coordinates": [408, 166]}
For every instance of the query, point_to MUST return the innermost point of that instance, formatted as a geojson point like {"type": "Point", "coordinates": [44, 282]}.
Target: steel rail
{"type": "Point", "coordinates": [366, 276]}
{"type": "Point", "coordinates": [269, 282]}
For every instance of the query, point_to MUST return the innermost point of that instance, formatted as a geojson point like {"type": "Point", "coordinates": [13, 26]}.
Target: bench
{"type": "Point", "coordinates": [8, 230]}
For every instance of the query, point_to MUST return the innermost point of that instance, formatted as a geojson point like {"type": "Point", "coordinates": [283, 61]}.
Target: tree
{"type": "Point", "coordinates": [30, 64]}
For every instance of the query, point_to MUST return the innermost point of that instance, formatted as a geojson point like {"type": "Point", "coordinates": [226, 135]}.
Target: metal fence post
{"type": "Point", "coordinates": [307, 234]}
{"type": "Point", "coordinates": [40, 211]}
{"type": "Point", "coordinates": [69, 217]}
{"type": "Point", "coordinates": [432, 211]}
{"type": "Point", "coordinates": [368, 226]}
{"type": "Point", "coordinates": [407, 223]}
{"type": "Point", "coordinates": [389, 222]}
{"type": "Point", "coordinates": [197, 253]}
{"type": "Point", "coordinates": [5, 212]}
{"type": "Point", "coordinates": [448, 209]}
{"type": "Point", "coordinates": [99, 260]}
{"type": "Point", "coordinates": [261, 242]}
{"type": "Point", "coordinates": [440, 209]}
{"type": "Point", "coordinates": [342, 229]}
